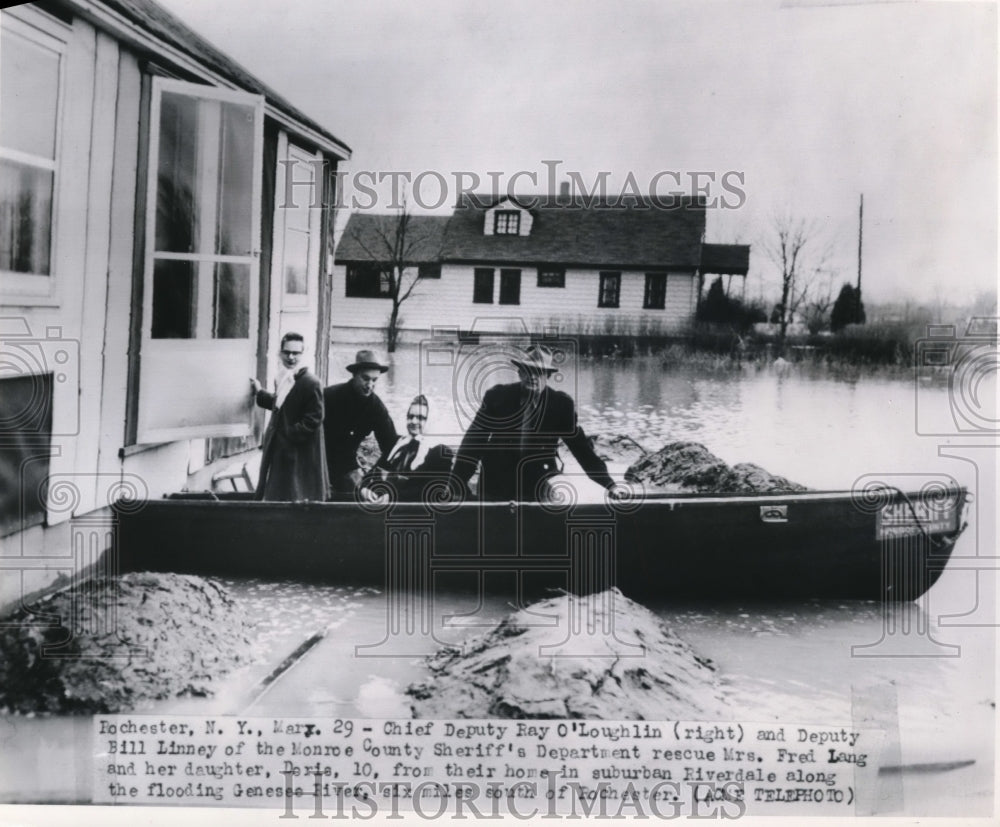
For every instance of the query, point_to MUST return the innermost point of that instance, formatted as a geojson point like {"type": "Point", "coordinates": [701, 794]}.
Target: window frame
{"type": "Point", "coordinates": [559, 272]}
{"type": "Point", "coordinates": [374, 275]}
{"type": "Point", "coordinates": [312, 233]}
{"type": "Point", "coordinates": [478, 289]}
{"type": "Point", "coordinates": [654, 296]}
{"type": "Point", "coordinates": [203, 351]}
{"type": "Point", "coordinates": [510, 286]}
{"type": "Point", "coordinates": [606, 279]}
{"type": "Point", "coordinates": [44, 32]}
{"type": "Point", "coordinates": [511, 220]}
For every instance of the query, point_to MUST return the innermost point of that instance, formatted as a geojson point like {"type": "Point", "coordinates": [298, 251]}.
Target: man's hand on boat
{"type": "Point", "coordinates": [619, 492]}
{"type": "Point", "coordinates": [368, 496]}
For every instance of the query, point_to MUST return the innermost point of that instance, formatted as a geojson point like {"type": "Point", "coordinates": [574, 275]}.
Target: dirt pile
{"type": "Point", "coordinates": [114, 646]}
{"type": "Point", "coordinates": [682, 467]}
{"type": "Point", "coordinates": [528, 667]}
{"type": "Point", "coordinates": [617, 448]}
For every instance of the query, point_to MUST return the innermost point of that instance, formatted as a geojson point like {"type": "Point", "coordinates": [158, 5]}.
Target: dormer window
{"type": "Point", "coordinates": [507, 222]}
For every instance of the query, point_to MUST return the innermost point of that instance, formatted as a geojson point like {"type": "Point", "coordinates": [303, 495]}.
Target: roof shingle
{"type": "Point", "coordinates": [728, 259]}
{"type": "Point", "coordinates": [369, 237]}
{"type": "Point", "coordinates": [594, 233]}
{"type": "Point", "coordinates": [636, 234]}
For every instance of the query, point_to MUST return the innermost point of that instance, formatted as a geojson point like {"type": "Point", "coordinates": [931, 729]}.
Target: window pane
{"type": "Point", "coordinates": [656, 291]}
{"type": "Point", "coordinates": [482, 289]}
{"type": "Point", "coordinates": [510, 287]}
{"type": "Point", "coordinates": [26, 423]}
{"type": "Point", "coordinates": [296, 262]}
{"type": "Point", "coordinates": [25, 218]}
{"type": "Point", "coordinates": [551, 277]}
{"type": "Point", "coordinates": [232, 301]}
{"type": "Point", "coordinates": [176, 195]}
{"type": "Point", "coordinates": [302, 179]}
{"type": "Point", "coordinates": [608, 292]}
{"type": "Point", "coordinates": [235, 181]}
{"type": "Point", "coordinates": [29, 96]}
{"type": "Point", "coordinates": [508, 222]}
{"type": "Point", "coordinates": [175, 299]}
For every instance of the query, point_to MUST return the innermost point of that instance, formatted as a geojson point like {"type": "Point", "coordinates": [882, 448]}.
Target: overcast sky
{"type": "Point", "coordinates": [813, 104]}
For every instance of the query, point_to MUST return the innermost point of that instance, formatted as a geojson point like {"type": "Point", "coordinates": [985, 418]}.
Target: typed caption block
{"type": "Point", "coordinates": [339, 767]}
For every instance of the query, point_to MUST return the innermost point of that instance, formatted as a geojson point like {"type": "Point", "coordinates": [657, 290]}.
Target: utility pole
{"type": "Point", "coordinates": [861, 219]}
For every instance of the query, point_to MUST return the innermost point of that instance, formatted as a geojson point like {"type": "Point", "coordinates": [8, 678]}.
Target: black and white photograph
{"type": "Point", "coordinates": [472, 410]}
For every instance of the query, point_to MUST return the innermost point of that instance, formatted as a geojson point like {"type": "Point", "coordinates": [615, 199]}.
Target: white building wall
{"type": "Point", "coordinates": [79, 329]}
{"type": "Point", "coordinates": [572, 309]}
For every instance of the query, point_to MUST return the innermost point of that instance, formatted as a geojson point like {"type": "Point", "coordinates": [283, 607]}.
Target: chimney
{"type": "Point", "coordinates": [564, 190]}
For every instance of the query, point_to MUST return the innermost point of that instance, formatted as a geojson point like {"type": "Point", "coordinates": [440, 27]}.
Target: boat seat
{"type": "Point", "coordinates": [234, 477]}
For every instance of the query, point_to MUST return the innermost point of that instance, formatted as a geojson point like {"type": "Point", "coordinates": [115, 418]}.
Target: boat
{"type": "Point", "coordinates": [887, 544]}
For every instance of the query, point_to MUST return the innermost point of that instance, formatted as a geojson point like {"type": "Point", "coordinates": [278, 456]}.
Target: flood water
{"type": "Point", "coordinates": [923, 672]}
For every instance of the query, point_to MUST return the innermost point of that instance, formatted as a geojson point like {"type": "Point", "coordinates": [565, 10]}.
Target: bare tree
{"type": "Point", "coordinates": [394, 244]}
{"type": "Point", "coordinates": [820, 302]}
{"type": "Point", "coordinates": [793, 245]}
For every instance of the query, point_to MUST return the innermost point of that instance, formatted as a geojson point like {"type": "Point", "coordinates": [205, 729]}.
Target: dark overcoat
{"type": "Point", "coordinates": [517, 444]}
{"type": "Point", "coordinates": [350, 417]}
{"type": "Point", "coordinates": [413, 483]}
{"type": "Point", "coordinates": [293, 465]}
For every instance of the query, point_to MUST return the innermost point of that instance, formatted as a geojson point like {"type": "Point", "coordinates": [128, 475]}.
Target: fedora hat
{"type": "Point", "coordinates": [537, 358]}
{"type": "Point", "coordinates": [367, 360]}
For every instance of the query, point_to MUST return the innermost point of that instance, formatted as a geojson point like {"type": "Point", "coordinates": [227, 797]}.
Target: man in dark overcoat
{"type": "Point", "coordinates": [354, 410]}
{"type": "Point", "coordinates": [293, 462]}
{"type": "Point", "coordinates": [515, 434]}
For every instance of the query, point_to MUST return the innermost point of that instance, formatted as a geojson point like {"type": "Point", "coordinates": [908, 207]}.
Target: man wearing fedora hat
{"type": "Point", "coordinates": [354, 410]}
{"type": "Point", "coordinates": [516, 431]}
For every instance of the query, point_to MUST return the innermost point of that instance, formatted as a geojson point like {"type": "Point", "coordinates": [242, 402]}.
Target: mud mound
{"type": "Point", "coordinates": [617, 448]}
{"type": "Point", "coordinates": [691, 467]}
{"type": "Point", "coordinates": [528, 667]}
{"type": "Point", "coordinates": [115, 646]}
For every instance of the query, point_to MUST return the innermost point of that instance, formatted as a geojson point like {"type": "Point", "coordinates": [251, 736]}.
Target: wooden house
{"type": "Point", "coordinates": [556, 262]}
{"type": "Point", "coordinates": [163, 222]}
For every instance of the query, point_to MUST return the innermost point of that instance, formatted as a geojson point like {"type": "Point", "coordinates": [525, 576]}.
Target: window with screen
{"type": "Point", "coordinates": [609, 290]}
{"type": "Point", "coordinates": [655, 295]}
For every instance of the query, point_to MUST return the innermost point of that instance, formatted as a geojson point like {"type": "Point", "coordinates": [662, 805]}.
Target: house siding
{"type": "Point", "coordinates": [92, 306]}
{"type": "Point", "coordinates": [572, 309]}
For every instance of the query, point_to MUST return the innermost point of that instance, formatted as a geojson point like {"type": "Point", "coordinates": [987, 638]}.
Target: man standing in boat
{"type": "Point", "coordinates": [515, 433]}
{"type": "Point", "coordinates": [292, 464]}
{"type": "Point", "coordinates": [354, 410]}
